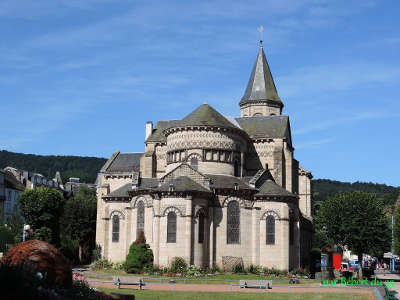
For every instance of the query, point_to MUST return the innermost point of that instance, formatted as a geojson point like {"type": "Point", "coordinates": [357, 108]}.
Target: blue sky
{"type": "Point", "coordinates": [83, 77]}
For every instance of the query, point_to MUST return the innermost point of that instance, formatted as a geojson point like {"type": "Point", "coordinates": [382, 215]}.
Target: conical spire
{"type": "Point", "coordinates": [261, 86]}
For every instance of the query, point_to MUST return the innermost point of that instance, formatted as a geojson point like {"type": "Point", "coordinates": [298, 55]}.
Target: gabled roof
{"type": "Point", "coordinates": [205, 115]}
{"type": "Point", "coordinates": [261, 86]}
{"type": "Point", "coordinates": [228, 182]}
{"type": "Point", "coordinates": [122, 163]}
{"type": "Point", "coordinates": [265, 126]}
{"type": "Point", "coordinates": [270, 188]}
{"type": "Point", "coordinates": [183, 184]}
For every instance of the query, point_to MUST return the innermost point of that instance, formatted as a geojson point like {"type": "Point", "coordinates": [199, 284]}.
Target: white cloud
{"type": "Point", "coordinates": [336, 77]}
{"type": "Point", "coordinates": [345, 120]}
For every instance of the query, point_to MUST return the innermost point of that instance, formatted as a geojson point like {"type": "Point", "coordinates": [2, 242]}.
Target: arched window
{"type": "Point", "coordinates": [171, 227]}
{"type": "Point", "coordinates": [270, 229]}
{"type": "Point", "coordinates": [194, 162]}
{"type": "Point", "coordinates": [140, 218]}
{"type": "Point", "coordinates": [233, 223]}
{"type": "Point", "coordinates": [236, 168]}
{"type": "Point", "coordinates": [201, 228]}
{"type": "Point", "coordinates": [115, 228]}
{"type": "Point", "coordinates": [257, 115]}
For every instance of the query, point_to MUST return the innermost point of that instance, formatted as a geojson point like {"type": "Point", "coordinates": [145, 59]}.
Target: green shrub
{"type": "Point", "coordinates": [193, 270]}
{"type": "Point", "coordinates": [117, 266]}
{"type": "Point", "coordinates": [178, 265]}
{"type": "Point", "coordinates": [216, 269]}
{"type": "Point", "coordinates": [253, 269]}
{"type": "Point", "coordinates": [101, 264]}
{"type": "Point", "coordinates": [140, 256]}
{"type": "Point", "coordinates": [238, 268]}
{"type": "Point", "coordinates": [300, 272]}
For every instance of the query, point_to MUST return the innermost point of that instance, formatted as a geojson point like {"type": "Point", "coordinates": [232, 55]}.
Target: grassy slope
{"type": "Point", "coordinates": [166, 295]}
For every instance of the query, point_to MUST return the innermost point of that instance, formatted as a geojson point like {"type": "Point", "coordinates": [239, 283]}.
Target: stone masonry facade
{"type": "Point", "coordinates": [212, 189]}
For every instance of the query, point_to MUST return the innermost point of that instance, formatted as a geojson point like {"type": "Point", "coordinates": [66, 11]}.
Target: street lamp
{"type": "Point", "coordinates": [24, 230]}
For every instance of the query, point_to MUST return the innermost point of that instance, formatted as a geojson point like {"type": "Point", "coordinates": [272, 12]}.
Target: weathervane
{"type": "Point", "coordinates": [260, 30]}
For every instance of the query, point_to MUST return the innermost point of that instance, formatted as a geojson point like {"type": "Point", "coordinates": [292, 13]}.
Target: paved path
{"type": "Point", "coordinates": [370, 293]}
{"type": "Point", "coordinates": [387, 275]}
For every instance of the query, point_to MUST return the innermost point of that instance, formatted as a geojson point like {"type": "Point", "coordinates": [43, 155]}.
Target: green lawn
{"type": "Point", "coordinates": [215, 279]}
{"type": "Point", "coordinates": [166, 295]}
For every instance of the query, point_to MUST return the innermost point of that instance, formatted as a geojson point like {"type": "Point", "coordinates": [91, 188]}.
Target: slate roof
{"type": "Point", "coordinates": [182, 184]}
{"type": "Point", "coordinates": [227, 181]}
{"type": "Point", "coordinates": [124, 162]}
{"type": "Point", "coordinates": [270, 188]}
{"type": "Point", "coordinates": [261, 86]}
{"type": "Point", "coordinates": [265, 126]}
{"type": "Point", "coordinates": [205, 115]}
{"type": "Point", "coordinates": [145, 184]}
{"type": "Point", "coordinates": [11, 182]}
{"type": "Point", "coordinates": [158, 135]}
{"type": "Point", "coordinates": [120, 192]}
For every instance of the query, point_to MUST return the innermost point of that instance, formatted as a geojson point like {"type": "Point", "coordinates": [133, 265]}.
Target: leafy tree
{"type": "Point", "coordinates": [79, 220]}
{"type": "Point", "coordinates": [140, 255]}
{"type": "Point", "coordinates": [42, 209]}
{"type": "Point", "coordinates": [356, 219]}
{"type": "Point", "coordinates": [396, 227]}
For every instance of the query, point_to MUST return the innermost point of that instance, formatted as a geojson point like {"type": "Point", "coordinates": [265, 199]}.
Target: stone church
{"type": "Point", "coordinates": [211, 188]}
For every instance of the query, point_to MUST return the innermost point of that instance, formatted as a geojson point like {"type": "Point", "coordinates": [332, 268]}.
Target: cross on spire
{"type": "Point", "coordinates": [260, 30]}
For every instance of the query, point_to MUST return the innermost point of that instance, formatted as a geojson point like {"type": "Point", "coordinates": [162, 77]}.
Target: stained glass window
{"type": "Point", "coordinates": [171, 227]}
{"type": "Point", "coordinates": [233, 223]}
{"type": "Point", "coordinates": [115, 228]}
{"type": "Point", "coordinates": [140, 218]}
{"type": "Point", "coordinates": [270, 223]}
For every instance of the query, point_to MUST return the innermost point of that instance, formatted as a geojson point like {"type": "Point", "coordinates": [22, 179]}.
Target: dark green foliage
{"type": "Point", "coordinates": [356, 219]}
{"type": "Point", "coordinates": [79, 221]}
{"type": "Point", "coordinates": [324, 188]}
{"type": "Point", "coordinates": [86, 168]}
{"type": "Point", "coordinates": [140, 256]}
{"type": "Point", "coordinates": [42, 209]}
{"type": "Point", "coordinates": [6, 237]}
{"type": "Point", "coordinates": [238, 268]}
{"type": "Point", "coordinates": [178, 265]}
{"type": "Point", "coordinates": [396, 229]}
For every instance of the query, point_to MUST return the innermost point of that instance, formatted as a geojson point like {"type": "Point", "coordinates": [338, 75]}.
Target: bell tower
{"type": "Point", "coordinates": [260, 97]}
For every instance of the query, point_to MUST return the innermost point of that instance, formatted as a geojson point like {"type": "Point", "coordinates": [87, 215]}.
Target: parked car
{"type": "Point", "coordinates": [353, 264]}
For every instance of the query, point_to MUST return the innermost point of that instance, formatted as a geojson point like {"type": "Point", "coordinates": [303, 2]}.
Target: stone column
{"type": "Point", "coordinates": [255, 247]}
{"type": "Point", "coordinates": [284, 225]}
{"type": "Point", "coordinates": [288, 164]}
{"type": "Point", "coordinates": [211, 236]}
{"type": "Point", "coordinates": [128, 236]}
{"type": "Point", "coordinates": [156, 232]}
{"type": "Point", "coordinates": [188, 229]}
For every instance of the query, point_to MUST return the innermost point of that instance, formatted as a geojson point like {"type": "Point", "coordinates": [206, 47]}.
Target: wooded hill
{"type": "Point", "coordinates": [86, 168]}
{"type": "Point", "coordinates": [323, 188]}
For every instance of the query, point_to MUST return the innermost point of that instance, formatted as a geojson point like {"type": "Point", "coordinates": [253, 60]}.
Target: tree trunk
{"type": "Point", "coordinates": [80, 253]}
{"type": "Point", "coordinates": [360, 274]}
